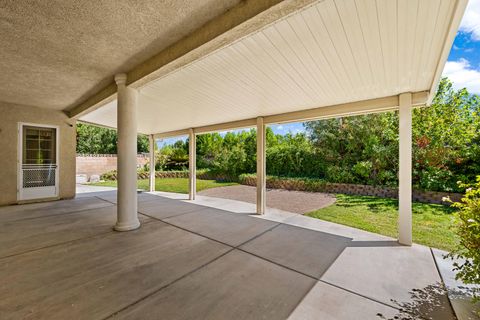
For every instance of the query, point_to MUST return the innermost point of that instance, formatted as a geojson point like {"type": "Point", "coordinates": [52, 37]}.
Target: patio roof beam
{"type": "Point", "coordinates": [246, 17]}
{"type": "Point", "coordinates": [176, 133]}
{"type": "Point", "coordinates": [247, 123]}
{"type": "Point", "coordinates": [347, 109]}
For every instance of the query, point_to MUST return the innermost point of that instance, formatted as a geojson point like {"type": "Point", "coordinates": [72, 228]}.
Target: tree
{"type": "Point", "coordinates": [446, 144]}
{"type": "Point", "coordinates": [359, 149]}
{"type": "Point", "coordinates": [446, 139]}
{"type": "Point", "coordinates": [97, 140]}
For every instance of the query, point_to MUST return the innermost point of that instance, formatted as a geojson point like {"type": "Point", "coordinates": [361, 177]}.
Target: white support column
{"type": "Point", "coordinates": [127, 217]}
{"type": "Point", "coordinates": [192, 165]}
{"type": "Point", "coordinates": [405, 170]}
{"type": "Point", "coordinates": [261, 166]}
{"type": "Point", "coordinates": [152, 163]}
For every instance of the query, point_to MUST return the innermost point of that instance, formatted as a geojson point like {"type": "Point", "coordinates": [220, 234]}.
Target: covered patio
{"type": "Point", "coordinates": [186, 68]}
{"type": "Point", "coordinates": [316, 60]}
{"type": "Point", "coordinates": [206, 259]}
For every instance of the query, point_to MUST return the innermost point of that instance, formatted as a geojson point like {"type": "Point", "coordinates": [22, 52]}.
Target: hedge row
{"type": "Point", "coordinates": [201, 174]}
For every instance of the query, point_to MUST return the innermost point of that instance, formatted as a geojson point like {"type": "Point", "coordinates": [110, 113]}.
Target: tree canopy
{"type": "Point", "coordinates": [97, 140]}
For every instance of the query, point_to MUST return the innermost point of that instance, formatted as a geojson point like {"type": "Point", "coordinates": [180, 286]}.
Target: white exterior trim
{"type": "Point", "coordinates": [151, 181]}
{"type": "Point", "coordinates": [261, 166]}
{"type": "Point", "coordinates": [460, 6]}
{"type": "Point", "coordinates": [192, 165]}
{"type": "Point", "coordinates": [347, 109]}
{"type": "Point", "coordinates": [405, 170]}
{"type": "Point", "coordinates": [127, 204]}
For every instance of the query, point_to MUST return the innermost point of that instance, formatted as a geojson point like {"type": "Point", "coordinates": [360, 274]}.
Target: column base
{"type": "Point", "coordinates": [127, 226]}
{"type": "Point", "coordinates": [407, 243]}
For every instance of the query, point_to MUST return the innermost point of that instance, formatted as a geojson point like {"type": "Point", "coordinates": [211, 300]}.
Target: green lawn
{"type": "Point", "coordinates": [179, 185]}
{"type": "Point", "coordinates": [432, 224]}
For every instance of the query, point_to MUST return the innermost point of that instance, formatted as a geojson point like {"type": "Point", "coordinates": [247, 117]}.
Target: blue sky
{"type": "Point", "coordinates": [462, 67]}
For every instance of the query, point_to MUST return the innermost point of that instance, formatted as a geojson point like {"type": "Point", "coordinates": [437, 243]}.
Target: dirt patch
{"type": "Point", "coordinates": [292, 201]}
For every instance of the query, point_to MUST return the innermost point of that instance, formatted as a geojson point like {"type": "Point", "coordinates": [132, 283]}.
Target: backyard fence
{"type": "Point", "coordinates": [98, 164]}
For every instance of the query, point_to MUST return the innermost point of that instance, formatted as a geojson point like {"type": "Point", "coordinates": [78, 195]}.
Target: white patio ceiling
{"type": "Point", "coordinates": [330, 53]}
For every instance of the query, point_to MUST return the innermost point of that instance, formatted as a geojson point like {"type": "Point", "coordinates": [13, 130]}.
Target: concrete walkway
{"type": "Point", "coordinates": [287, 200]}
{"type": "Point", "coordinates": [86, 188]}
{"type": "Point", "coordinates": [206, 259]}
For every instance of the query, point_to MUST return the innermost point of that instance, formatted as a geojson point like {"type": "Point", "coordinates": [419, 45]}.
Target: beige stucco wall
{"type": "Point", "coordinates": [10, 116]}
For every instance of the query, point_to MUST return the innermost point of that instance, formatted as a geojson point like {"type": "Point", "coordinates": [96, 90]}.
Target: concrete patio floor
{"type": "Point", "coordinates": [205, 259]}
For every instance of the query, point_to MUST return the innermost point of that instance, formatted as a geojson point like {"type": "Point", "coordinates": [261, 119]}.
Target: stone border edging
{"type": "Point", "coordinates": [352, 189]}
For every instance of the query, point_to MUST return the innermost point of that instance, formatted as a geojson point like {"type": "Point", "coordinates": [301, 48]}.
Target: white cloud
{"type": "Point", "coordinates": [463, 75]}
{"type": "Point", "coordinates": [471, 19]}
{"type": "Point", "coordinates": [280, 127]}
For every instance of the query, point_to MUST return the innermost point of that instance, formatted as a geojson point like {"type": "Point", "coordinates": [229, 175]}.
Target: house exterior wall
{"type": "Point", "coordinates": [10, 116]}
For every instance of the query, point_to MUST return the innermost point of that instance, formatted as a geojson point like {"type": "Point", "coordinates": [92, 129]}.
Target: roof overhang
{"type": "Point", "coordinates": [327, 58]}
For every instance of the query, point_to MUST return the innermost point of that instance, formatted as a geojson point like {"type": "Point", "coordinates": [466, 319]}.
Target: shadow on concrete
{"type": "Point", "coordinates": [463, 304]}
{"type": "Point", "coordinates": [430, 302]}
{"type": "Point", "coordinates": [371, 244]}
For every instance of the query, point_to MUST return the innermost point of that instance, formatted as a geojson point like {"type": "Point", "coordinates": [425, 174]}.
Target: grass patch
{"type": "Point", "coordinates": [178, 185]}
{"type": "Point", "coordinates": [432, 223]}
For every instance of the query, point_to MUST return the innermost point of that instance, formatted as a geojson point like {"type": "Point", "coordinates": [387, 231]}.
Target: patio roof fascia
{"type": "Point", "coordinates": [459, 11]}
{"type": "Point", "coordinates": [98, 125]}
{"type": "Point", "coordinates": [347, 109]}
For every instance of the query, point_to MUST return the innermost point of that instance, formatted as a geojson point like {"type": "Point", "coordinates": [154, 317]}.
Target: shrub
{"type": "Point", "coordinates": [467, 255]}
{"type": "Point", "coordinates": [339, 174]}
{"type": "Point", "coordinates": [363, 169]}
{"type": "Point", "coordinates": [437, 179]}
{"type": "Point", "coordinates": [110, 175]}
{"type": "Point", "coordinates": [230, 161]}
{"type": "Point", "coordinates": [287, 183]}
{"type": "Point", "coordinates": [161, 160]}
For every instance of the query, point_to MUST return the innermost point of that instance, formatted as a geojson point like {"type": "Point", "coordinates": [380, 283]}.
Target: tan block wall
{"type": "Point", "coordinates": [102, 163]}
{"type": "Point", "coordinates": [11, 115]}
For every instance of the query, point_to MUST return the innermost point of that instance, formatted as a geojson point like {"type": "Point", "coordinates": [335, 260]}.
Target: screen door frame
{"type": "Point", "coordinates": [43, 192]}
